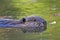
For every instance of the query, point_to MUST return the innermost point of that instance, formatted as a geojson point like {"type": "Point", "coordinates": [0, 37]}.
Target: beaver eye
{"type": "Point", "coordinates": [24, 20]}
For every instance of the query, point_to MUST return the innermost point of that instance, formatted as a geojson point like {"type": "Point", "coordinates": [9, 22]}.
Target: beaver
{"type": "Point", "coordinates": [33, 24]}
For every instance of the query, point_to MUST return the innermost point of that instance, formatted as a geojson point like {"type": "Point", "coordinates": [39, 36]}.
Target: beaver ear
{"type": "Point", "coordinates": [24, 20]}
